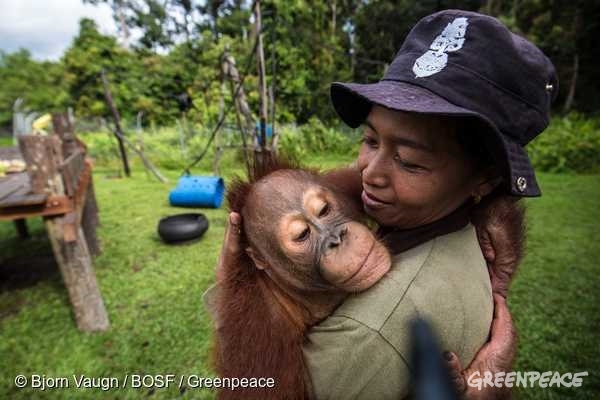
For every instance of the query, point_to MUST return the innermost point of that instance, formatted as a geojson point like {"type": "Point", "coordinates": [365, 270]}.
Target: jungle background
{"type": "Point", "coordinates": [166, 48]}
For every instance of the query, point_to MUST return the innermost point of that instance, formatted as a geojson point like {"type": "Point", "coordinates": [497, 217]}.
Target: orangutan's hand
{"type": "Point", "coordinates": [495, 356]}
{"type": "Point", "coordinates": [231, 245]}
{"type": "Point", "coordinates": [501, 233]}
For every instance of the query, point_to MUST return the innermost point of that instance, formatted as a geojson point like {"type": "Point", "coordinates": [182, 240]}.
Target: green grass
{"type": "Point", "coordinates": [556, 296]}
{"type": "Point", "coordinates": [6, 141]}
{"type": "Point", "coordinates": [153, 293]}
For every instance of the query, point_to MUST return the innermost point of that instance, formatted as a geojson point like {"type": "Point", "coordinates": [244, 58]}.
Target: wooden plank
{"type": "Point", "coordinates": [29, 205]}
{"type": "Point", "coordinates": [20, 191]}
{"type": "Point", "coordinates": [10, 153]}
{"type": "Point", "coordinates": [78, 274]}
{"type": "Point", "coordinates": [14, 183]}
{"type": "Point", "coordinates": [54, 205]}
{"type": "Point", "coordinates": [19, 199]}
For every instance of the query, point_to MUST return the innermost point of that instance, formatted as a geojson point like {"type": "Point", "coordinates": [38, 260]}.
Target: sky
{"type": "Point", "coordinates": [47, 27]}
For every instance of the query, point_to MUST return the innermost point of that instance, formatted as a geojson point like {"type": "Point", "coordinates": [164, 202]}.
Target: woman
{"type": "Point", "coordinates": [444, 129]}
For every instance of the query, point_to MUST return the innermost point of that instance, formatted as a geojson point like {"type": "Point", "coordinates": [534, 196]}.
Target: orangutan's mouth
{"type": "Point", "coordinates": [362, 265]}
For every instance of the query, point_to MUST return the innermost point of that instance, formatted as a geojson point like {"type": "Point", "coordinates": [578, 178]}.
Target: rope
{"type": "Point", "coordinates": [186, 170]}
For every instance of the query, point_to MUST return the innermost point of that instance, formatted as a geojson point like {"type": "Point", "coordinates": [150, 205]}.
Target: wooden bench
{"type": "Point", "coordinates": [58, 186]}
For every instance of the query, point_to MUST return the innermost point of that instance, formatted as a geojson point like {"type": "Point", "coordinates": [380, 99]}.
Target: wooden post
{"type": "Point", "coordinates": [272, 87]}
{"type": "Point", "coordinates": [21, 227]}
{"type": "Point", "coordinates": [262, 155]}
{"type": "Point", "coordinates": [262, 84]}
{"type": "Point", "coordinates": [123, 140]}
{"type": "Point", "coordinates": [117, 118]}
{"type": "Point", "coordinates": [66, 133]}
{"type": "Point", "coordinates": [90, 220]}
{"type": "Point", "coordinates": [238, 95]}
{"type": "Point", "coordinates": [75, 265]}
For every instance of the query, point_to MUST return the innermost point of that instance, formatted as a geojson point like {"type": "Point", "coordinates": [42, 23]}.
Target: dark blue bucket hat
{"type": "Point", "coordinates": [465, 64]}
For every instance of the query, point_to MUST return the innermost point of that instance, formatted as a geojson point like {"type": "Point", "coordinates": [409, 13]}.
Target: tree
{"type": "Point", "coordinates": [39, 84]}
{"type": "Point", "coordinates": [89, 54]}
{"type": "Point", "coordinates": [382, 25]}
{"type": "Point", "coordinates": [308, 44]}
{"type": "Point", "coordinates": [567, 32]}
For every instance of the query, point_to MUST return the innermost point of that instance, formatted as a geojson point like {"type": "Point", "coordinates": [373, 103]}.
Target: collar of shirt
{"type": "Point", "coordinates": [399, 240]}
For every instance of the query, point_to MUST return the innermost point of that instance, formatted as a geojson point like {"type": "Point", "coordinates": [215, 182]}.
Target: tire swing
{"type": "Point", "coordinates": [182, 228]}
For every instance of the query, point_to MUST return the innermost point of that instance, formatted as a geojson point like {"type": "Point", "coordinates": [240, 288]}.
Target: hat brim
{"type": "Point", "coordinates": [353, 103]}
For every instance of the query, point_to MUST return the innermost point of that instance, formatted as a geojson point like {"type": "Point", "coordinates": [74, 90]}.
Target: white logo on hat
{"type": "Point", "coordinates": [435, 59]}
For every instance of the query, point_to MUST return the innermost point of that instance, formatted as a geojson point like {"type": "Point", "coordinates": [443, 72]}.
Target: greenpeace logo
{"type": "Point", "coordinates": [526, 379]}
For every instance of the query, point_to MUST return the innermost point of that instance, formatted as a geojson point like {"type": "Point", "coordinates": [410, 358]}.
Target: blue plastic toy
{"type": "Point", "coordinates": [268, 132]}
{"type": "Point", "coordinates": [198, 191]}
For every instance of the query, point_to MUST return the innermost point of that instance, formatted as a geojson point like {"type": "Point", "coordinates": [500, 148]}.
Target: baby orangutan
{"type": "Point", "coordinates": [305, 252]}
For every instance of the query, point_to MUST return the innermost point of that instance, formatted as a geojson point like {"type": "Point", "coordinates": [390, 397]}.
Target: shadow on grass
{"type": "Point", "coordinates": [25, 269]}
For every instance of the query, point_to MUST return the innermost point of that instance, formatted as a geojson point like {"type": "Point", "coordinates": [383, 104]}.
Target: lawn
{"type": "Point", "coordinates": [152, 292]}
{"type": "Point", "coordinates": [6, 141]}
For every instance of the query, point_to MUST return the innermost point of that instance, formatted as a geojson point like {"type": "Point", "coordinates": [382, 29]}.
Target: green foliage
{"type": "Point", "coordinates": [314, 138]}
{"type": "Point", "coordinates": [569, 144]}
{"type": "Point", "coordinates": [166, 148]}
{"type": "Point", "coordinates": [90, 54]}
{"type": "Point", "coordinates": [382, 25]}
{"type": "Point", "coordinates": [39, 84]}
{"type": "Point", "coordinates": [307, 45]}
{"type": "Point", "coordinates": [172, 149]}
{"type": "Point", "coordinates": [103, 148]}
{"type": "Point", "coordinates": [306, 41]}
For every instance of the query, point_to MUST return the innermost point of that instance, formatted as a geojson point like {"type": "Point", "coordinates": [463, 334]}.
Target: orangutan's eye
{"type": "Point", "coordinates": [325, 210]}
{"type": "Point", "coordinates": [303, 235]}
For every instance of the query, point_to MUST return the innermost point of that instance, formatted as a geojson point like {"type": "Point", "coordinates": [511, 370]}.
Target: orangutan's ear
{"type": "Point", "coordinates": [258, 259]}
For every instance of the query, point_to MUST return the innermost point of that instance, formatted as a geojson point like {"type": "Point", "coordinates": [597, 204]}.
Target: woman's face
{"type": "Point", "coordinates": [413, 168]}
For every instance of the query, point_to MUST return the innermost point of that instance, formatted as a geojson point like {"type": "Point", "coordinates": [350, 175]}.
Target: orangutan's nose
{"type": "Point", "coordinates": [336, 238]}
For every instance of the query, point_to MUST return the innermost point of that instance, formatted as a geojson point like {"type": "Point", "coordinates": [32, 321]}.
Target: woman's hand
{"type": "Point", "coordinates": [231, 245]}
{"type": "Point", "coordinates": [495, 356]}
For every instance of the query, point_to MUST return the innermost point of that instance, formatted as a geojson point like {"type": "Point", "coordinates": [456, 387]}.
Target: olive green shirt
{"type": "Point", "coordinates": [362, 351]}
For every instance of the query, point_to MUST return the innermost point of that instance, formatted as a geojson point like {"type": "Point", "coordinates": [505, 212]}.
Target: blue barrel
{"type": "Point", "coordinates": [198, 191]}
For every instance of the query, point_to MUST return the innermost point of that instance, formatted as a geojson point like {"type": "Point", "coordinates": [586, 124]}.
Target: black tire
{"type": "Point", "coordinates": [182, 228]}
